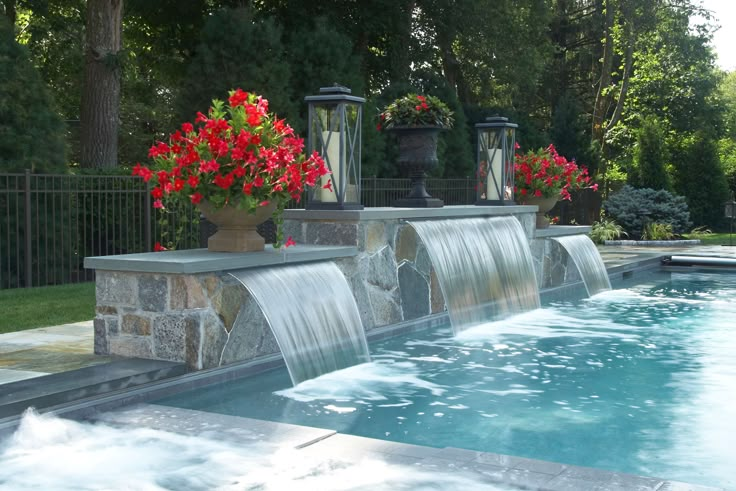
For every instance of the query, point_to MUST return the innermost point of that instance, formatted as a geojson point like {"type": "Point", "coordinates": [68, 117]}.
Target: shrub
{"type": "Point", "coordinates": [657, 231]}
{"type": "Point", "coordinates": [633, 208]}
{"type": "Point", "coordinates": [606, 229]}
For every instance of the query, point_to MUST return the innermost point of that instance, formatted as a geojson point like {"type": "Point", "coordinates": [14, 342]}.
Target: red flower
{"type": "Point", "coordinates": [289, 242]}
{"type": "Point", "coordinates": [157, 247]}
{"type": "Point", "coordinates": [328, 185]}
{"type": "Point", "coordinates": [238, 152]}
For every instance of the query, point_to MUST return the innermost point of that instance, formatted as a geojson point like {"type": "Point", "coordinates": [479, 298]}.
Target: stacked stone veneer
{"type": "Point", "coordinates": [205, 320]}
{"type": "Point", "coordinates": [210, 319]}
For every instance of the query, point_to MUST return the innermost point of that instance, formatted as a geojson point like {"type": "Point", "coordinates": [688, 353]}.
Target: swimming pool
{"type": "Point", "coordinates": [637, 380]}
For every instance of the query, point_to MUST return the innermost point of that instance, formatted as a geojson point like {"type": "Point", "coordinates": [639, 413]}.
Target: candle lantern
{"type": "Point", "coordinates": [495, 161]}
{"type": "Point", "coordinates": [334, 132]}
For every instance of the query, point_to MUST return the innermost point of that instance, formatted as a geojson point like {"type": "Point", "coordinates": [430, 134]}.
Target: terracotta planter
{"type": "Point", "coordinates": [544, 204]}
{"type": "Point", "coordinates": [236, 229]}
{"type": "Point", "coordinates": [417, 156]}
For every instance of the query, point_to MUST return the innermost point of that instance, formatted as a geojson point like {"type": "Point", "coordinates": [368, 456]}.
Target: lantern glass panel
{"type": "Point", "coordinates": [334, 133]}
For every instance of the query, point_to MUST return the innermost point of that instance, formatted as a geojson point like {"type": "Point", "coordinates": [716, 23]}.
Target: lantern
{"type": "Point", "coordinates": [495, 160]}
{"type": "Point", "coordinates": [334, 132]}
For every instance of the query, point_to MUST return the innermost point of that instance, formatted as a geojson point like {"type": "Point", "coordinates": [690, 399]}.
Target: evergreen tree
{"type": "Point", "coordinates": [700, 178]}
{"type": "Point", "coordinates": [235, 50]}
{"type": "Point", "coordinates": [31, 133]}
{"type": "Point", "coordinates": [649, 156]}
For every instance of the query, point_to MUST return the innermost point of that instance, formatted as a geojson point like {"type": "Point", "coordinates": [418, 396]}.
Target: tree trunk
{"type": "Point", "coordinates": [100, 107]}
{"type": "Point", "coordinates": [602, 98]}
{"type": "Point", "coordinates": [10, 12]}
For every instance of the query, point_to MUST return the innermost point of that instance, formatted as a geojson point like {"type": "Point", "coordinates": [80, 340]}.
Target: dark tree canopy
{"type": "Point", "coordinates": [31, 131]}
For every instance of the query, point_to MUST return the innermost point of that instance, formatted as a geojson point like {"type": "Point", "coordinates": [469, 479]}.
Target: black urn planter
{"type": "Point", "coordinates": [417, 155]}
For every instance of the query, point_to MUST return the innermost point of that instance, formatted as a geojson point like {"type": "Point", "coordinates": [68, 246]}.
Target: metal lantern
{"type": "Point", "coordinates": [730, 213]}
{"type": "Point", "coordinates": [335, 119]}
{"type": "Point", "coordinates": [495, 172]}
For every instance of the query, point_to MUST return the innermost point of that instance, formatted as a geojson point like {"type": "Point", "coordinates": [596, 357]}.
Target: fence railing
{"type": "Point", "coordinates": [50, 223]}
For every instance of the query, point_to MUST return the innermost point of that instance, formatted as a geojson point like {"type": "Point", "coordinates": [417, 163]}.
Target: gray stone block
{"type": "Point", "coordinates": [112, 288]}
{"type": "Point", "coordinates": [102, 341]}
{"type": "Point", "coordinates": [136, 324]}
{"type": "Point", "coordinates": [406, 243]}
{"type": "Point", "coordinates": [381, 269]}
{"type": "Point", "coordinates": [186, 292]}
{"type": "Point", "coordinates": [423, 263]}
{"type": "Point", "coordinates": [374, 236]}
{"type": "Point", "coordinates": [213, 339]}
{"type": "Point", "coordinates": [153, 292]}
{"type": "Point", "coordinates": [415, 297]}
{"type": "Point", "coordinates": [251, 335]}
{"type": "Point", "coordinates": [169, 335]}
{"type": "Point", "coordinates": [193, 346]}
{"type": "Point", "coordinates": [131, 346]}
{"type": "Point", "coordinates": [323, 233]}
{"type": "Point", "coordinates": [227, 300]}
{"type": "Point", "coordinates": [385, 305]}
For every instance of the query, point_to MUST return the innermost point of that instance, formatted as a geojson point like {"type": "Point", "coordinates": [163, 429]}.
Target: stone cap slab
{"type": "Point", "coordinates": [384, 213]}
{"type": "Point", "coordinates": [561, 231]}
{"type": "Point", "coordinates": [190, 261]}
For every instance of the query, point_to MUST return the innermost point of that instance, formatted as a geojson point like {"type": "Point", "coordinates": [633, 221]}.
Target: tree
{"type": "Point", "coordinates": [700, 178]}
{"type": "Point", "coordinates": [31, 133]}
{"type": "Point", "coordinates": [237, 50]}
{"type": "Point", "coordinates": [650, 157]}
{"type": "Point", "coordinates": [100, 105]}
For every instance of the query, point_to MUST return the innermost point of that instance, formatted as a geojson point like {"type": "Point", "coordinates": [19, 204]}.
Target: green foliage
{"type": "Point", "coordinates": [727, 156]}
{"type": "Point", "coordinates": [700, 178]}
{"type": "Point", "coordinates": [416, 110]}
{"type": "Point", "coordinates": [606, 229]}
{"type": "Point", "coordinates": [236, 50]}
{"type": "Point", "coordinates": [650, 157]}
{"type": "Point", "coordinates": [700, 232]}
{"type": "Point", "coordinates": [31, 133]}
{"type": "Point", "coordinates": [569, 132]}
{"type": "Point", "coordinates": [633, 208]}
{"type": "Point", "coordinates": [657, 231]}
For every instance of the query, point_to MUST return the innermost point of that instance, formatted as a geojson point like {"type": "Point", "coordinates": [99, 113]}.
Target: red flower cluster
{"type": "Point", "coordinates": [545, 173]}
{"type": "Point", "coordinates": [238, 154]}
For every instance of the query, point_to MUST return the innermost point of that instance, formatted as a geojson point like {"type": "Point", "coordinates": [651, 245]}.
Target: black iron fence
{"type": "Point", "coordinates": [50, 223]}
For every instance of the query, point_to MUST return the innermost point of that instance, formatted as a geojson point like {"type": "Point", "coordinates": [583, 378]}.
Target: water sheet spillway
{"type": "Point", "coordinates": [312, 314]}
{"type": "Point", "coordinates": [484, 267]}
{"type": "Point", "coordinates": [589, 262]}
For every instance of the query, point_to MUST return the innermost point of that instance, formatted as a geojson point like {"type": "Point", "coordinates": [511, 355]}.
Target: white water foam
{"type": "Point", "coordinates": [50, 453]}
{"type": "Point", "coordinates": [368, 381]}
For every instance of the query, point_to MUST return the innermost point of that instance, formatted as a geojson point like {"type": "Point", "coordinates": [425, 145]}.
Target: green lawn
{"type": "Point", "coordinates": [713, 239]}
{"type": "Point", "coordinates": [26, 308]}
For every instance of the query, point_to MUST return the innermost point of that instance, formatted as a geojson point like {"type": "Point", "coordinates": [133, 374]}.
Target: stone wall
{"type": "Point", "coordinates": [208, 319]}
{"type": "Point", "coordinates": [204, 320]}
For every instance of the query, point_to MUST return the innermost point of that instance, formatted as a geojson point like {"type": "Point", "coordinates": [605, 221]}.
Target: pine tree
{"type": "Point", "coordinates": [238, 51]}
{"type": "Point", "coordinates": [649, 156]}
{"type": "Point", "coordinates": [31, 133]}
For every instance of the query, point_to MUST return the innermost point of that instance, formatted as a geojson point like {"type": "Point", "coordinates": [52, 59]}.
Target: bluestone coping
{"type": "Point", "coordinates": [191, 261]}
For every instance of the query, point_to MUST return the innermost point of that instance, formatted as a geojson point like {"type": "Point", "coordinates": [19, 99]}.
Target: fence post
{"type": "Point", "coordinates": [375, 191]}
{"type": "Point", "coordinates": [147, 219]}
{"type": "Point", "coordinates": [467, 190]}
{"type": "Point", "coordinates": [27, 239]}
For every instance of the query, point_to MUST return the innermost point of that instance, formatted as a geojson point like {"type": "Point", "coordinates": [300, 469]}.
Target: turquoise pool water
{"type": "Point", "coordinates": [639, 380]}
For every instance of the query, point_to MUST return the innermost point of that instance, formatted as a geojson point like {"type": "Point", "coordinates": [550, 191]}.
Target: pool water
{"type": "Point", "coordinates": [639, 380]}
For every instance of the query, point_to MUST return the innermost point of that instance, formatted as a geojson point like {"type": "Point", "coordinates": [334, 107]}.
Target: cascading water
{"type": "Point", "coordinates": [586, 257]}
{"type": "Point", "coordinates": [312, 314]}
{"type": "Point", "coordinates": [484, 267]}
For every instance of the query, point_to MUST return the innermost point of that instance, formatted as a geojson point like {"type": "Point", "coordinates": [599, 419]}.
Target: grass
{"type": "Point", "coordinates": [713, 239]}
{"type": "Point", "coordinates": [28, 308]}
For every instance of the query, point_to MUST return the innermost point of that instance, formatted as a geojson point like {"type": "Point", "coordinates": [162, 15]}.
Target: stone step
{"type": "Point", "coordinates": [61, 388]}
